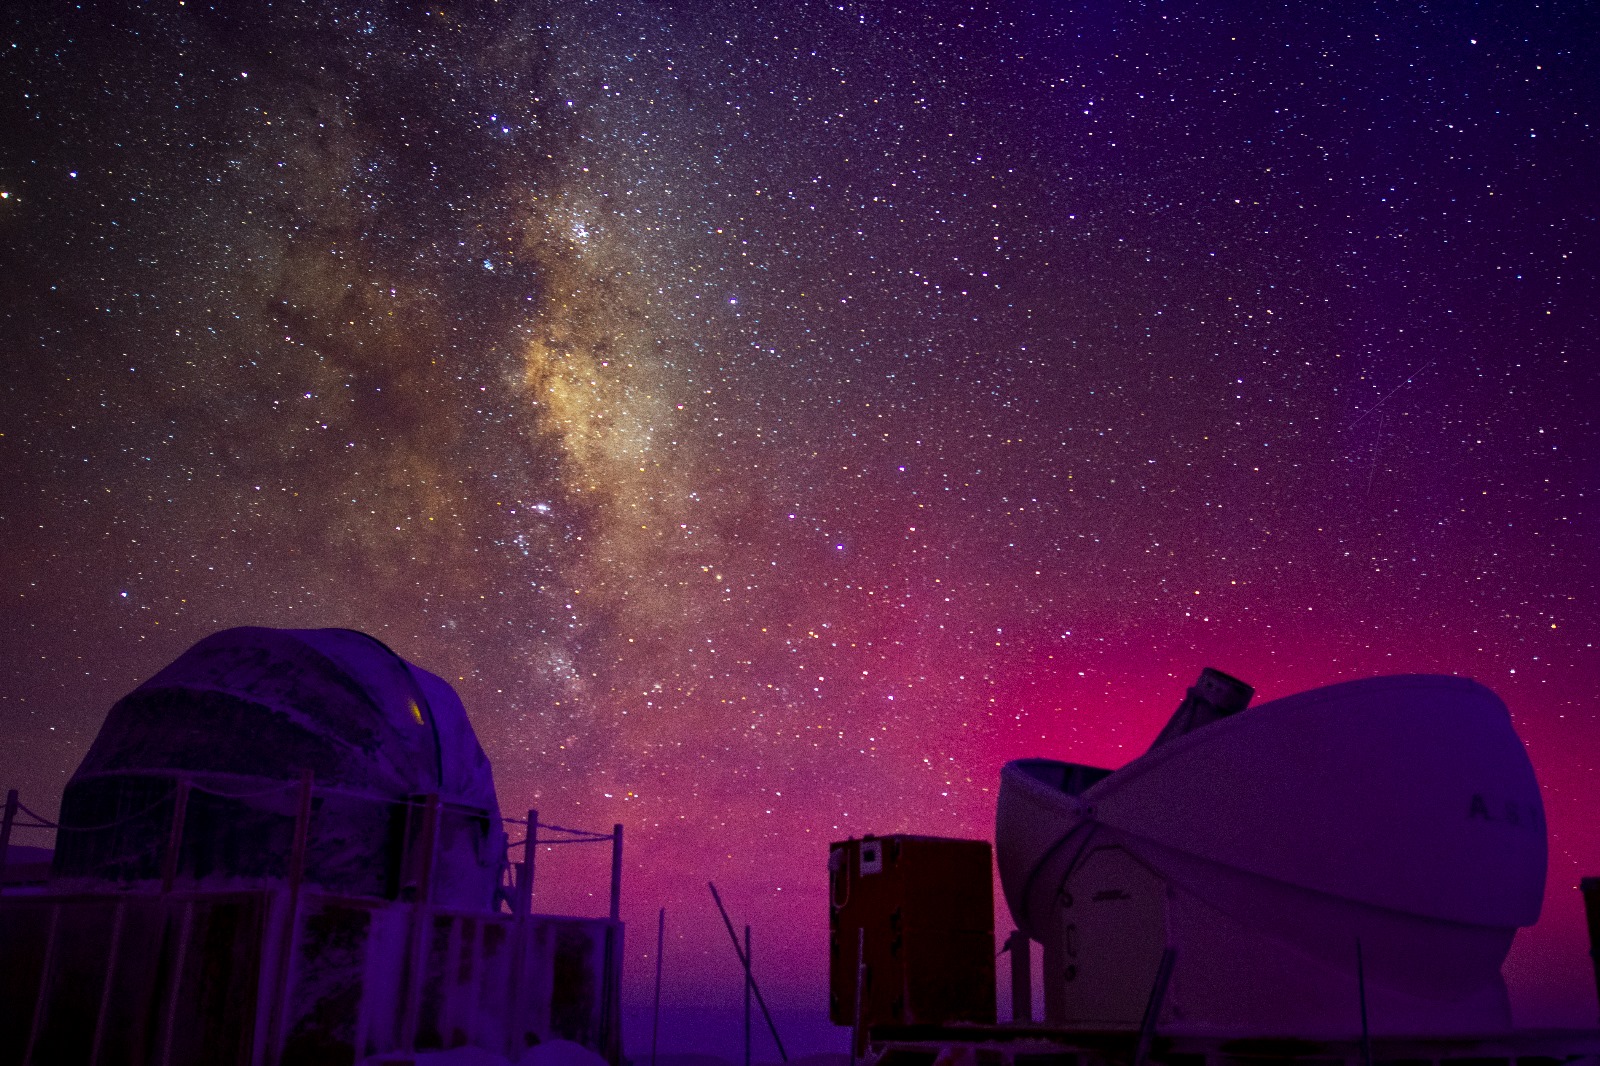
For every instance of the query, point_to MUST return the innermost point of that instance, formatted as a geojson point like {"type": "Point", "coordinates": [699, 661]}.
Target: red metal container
{"type": "Point", "coordinates": [926, 908]}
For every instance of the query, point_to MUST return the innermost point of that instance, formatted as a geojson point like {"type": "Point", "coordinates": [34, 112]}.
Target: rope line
{"type": "Point", "coordinates": [114, 824]}
{"type": "Point", "coordinates": [589, 834]}
{"type": "Point", "coordinates": [319, 788]}
{"type": "Point", "coordinates": [47, 823]}
{"type": "Point", "coordinates": [149, 851]}
{"type": "Point", "coordinates": [575, 832]}
{"type": "Point", "coordinates": [573, 836]}
{"type": "Point", "coordinates": [286, 785]}
{"type": "Point", "coordinates": [542, 842]}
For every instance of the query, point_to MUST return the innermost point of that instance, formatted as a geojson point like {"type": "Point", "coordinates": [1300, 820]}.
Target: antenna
{"type": "Point", "coordinates": [744, 962]}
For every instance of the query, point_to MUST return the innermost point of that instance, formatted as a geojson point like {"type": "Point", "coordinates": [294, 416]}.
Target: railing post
{"type": "Point", "coordinates": [180, 810]}
{"type": "Point", "coordinates": [302, 834]}
{"type": "Point", "coordinates": [12, 803]}
{"type": "Point", "coordinates": [185, 936]}
{"type": "Point", "coordinates": [521, 907]}
{"type": "Point", "coordinates": [611, 985]}
{"type": "Point", "coordinates": [417, 956]}
{"type": "Point", "coordinates": [616, 872]}
{"type": "Point", "coordinates": [279, 1019]}
{"type": "Point", "coordinates": [528, 851]}
{"type": "Point", "coordinates": [611, 1012]}
{"type": "Point", "coordinates": [107, 984]}
{"type": "Point", "coordinates": [42, 997]}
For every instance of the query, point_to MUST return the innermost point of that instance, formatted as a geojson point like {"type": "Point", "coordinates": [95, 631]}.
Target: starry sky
{"type": "Point", "coordinates": [773, 418]}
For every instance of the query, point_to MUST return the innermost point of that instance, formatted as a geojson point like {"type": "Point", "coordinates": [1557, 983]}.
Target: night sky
{"type": "Point", "coordinates": [774, 417]}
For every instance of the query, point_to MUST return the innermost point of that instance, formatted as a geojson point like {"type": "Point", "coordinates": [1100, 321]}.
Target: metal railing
{"type": "Point", "coordinates": [419, 863]}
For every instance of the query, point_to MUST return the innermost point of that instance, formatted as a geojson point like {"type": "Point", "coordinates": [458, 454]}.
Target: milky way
{"type": "Point", "coordinates": [773, 418]}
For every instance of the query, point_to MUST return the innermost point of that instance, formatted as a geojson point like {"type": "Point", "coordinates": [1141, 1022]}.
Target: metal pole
{"type": "Point", "coordinates": [1590, 887]}
{"type": "Point", "coordinates": [760, 1002]}
{"type": "Point", "coordinates": [12, 803]}
{"type": "Point", "coordinates": [1019, 946]}
{"type": "Point", "coordinates": [169, 862]}
{"type": "Point", "coordinates": [747, 980]}
{"type": "Point", "coordinates": [661, 946]}
{"type": "Point", "coordinates": [616, 872]}
{"type": "Point", "coordinates": [1361, 984]}
{"type": "Point", "coordinates": [1152, 1009]}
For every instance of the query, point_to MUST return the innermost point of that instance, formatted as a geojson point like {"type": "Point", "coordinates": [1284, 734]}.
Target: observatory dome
{"type": "Point", "coordinates": [268, 703]}
{"type": "Point", "coordinates": [1400, 813]}
{"type": "Point", "coordinates": [242, 714]}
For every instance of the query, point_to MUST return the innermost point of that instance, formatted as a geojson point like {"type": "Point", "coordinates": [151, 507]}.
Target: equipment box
{"type": "Point", "coordinates": [925, 907]}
